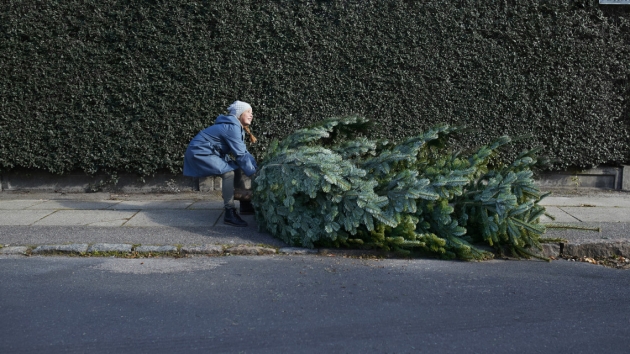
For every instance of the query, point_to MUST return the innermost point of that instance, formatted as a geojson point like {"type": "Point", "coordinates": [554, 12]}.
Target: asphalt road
{"type": "Point", "coordinates": [310, 304]}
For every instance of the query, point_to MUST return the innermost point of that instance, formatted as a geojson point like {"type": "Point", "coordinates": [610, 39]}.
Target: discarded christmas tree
{"type": "Point", "coordinates": [324, 186]}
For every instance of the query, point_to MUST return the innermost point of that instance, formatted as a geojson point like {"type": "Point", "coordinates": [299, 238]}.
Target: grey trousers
{"type": "Point", "coordinates": [229, 181]}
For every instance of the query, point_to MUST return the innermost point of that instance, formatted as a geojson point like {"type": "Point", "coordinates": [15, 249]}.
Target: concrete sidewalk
{"type": "Point", "coordinates": [194, 219]}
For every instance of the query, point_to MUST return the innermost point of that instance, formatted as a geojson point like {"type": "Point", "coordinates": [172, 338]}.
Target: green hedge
{"type": "Point", "coordinates": [123, 85]}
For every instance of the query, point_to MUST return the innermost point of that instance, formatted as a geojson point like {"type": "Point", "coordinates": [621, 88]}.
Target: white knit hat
{"type": "Point", "coordinates": [238, 107]}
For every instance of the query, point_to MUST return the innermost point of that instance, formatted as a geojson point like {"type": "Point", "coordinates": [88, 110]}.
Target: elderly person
{"type": "Point", "coordinates": [220, 150]}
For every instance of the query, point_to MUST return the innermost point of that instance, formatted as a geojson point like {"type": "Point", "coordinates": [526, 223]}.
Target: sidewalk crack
{"type": "Point", "coordinates": [219, 218]}
{"type": "Point", "coordinates": [132, 216]}
{"type": "Point", "coordinates": [42, 218]}
{"type": "Point", "coordinates": [576, 218]}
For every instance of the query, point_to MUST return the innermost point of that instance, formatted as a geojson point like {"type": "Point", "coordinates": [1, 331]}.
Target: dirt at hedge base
{"type": "Point", "coordinates": [617, 262]}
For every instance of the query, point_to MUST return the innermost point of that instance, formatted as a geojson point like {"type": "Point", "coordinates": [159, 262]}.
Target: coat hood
{"type": "Point", "coordinates": [229, 119]}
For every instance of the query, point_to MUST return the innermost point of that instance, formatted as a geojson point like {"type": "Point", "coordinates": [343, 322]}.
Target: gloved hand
{"type": "Point", "coordinates": [253, 176]}
{"type": "Point", "coordinates": [243, 194]}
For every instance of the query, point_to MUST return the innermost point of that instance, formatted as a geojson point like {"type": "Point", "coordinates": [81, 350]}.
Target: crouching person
{"type": "Point", "coordinates": [220, 150]}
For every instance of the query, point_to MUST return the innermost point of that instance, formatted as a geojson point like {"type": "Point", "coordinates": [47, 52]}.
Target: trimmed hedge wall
{"type": "Point", "coordinates": [123, 85]}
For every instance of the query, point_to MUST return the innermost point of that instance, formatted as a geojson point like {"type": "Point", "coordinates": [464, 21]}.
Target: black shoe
{"type": "Point", "coordinates": [232, 218]}
{"type": "Point", "coordinates": [246, 208]}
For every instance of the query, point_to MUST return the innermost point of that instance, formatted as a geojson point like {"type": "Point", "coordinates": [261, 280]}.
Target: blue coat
{"type": "Point", "coordinates": [208, 153]}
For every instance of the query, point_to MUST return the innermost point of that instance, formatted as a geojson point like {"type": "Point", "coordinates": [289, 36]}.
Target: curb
{"type": "Point", "coordinates": [112, 249]}
{"type": "Point", "coordinates": [586, 249]}
{"type": "Point", "coordinates": [549, 250]}
{"type": "Point", "coordinates": [75, 248]}
{"type": "Point", "coordinates": [596, 249]}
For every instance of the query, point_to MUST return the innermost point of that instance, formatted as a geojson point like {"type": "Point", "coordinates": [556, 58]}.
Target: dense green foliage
{"type": "Point", "coordinates": [325, 186]}
{"type": "Point", "coordinates": [123, 85]}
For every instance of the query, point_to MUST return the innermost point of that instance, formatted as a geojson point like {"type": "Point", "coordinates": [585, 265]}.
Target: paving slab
{"type": "Point", "coordinates": [608, 232]}
{"type": "Point", "coordinates": [599, 214]}
{"type": "Point", "coordinates": [32, 195]}
{"type": "Point", "coordinates": [74, 205]}
{"type": "Point", "coordinates": [584, 201]}
{"type": "Point", "coordinates": [18, 204]}
{"type": "Point", "coordinates": [175, 218]}
{"type": "Point", "coordinates": [152, 204]}
{"type": "Point", "coordinates": [108, 218]}
{"type": "Point", "coordinates": [559, 214]}
{"type": "Point", "coordinates": [149, 235]}
{"type": "Point", "coordinates": [22, 217]}
{"type": "Point", "coordinates": [206, 204]}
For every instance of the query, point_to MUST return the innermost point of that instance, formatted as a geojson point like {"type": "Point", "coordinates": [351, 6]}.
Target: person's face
{"type": "Point", "coordinates": [246, 117]}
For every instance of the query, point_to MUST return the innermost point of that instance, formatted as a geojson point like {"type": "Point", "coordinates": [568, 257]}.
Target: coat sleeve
{"type": "Point", "coordinates": [244, 159]}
